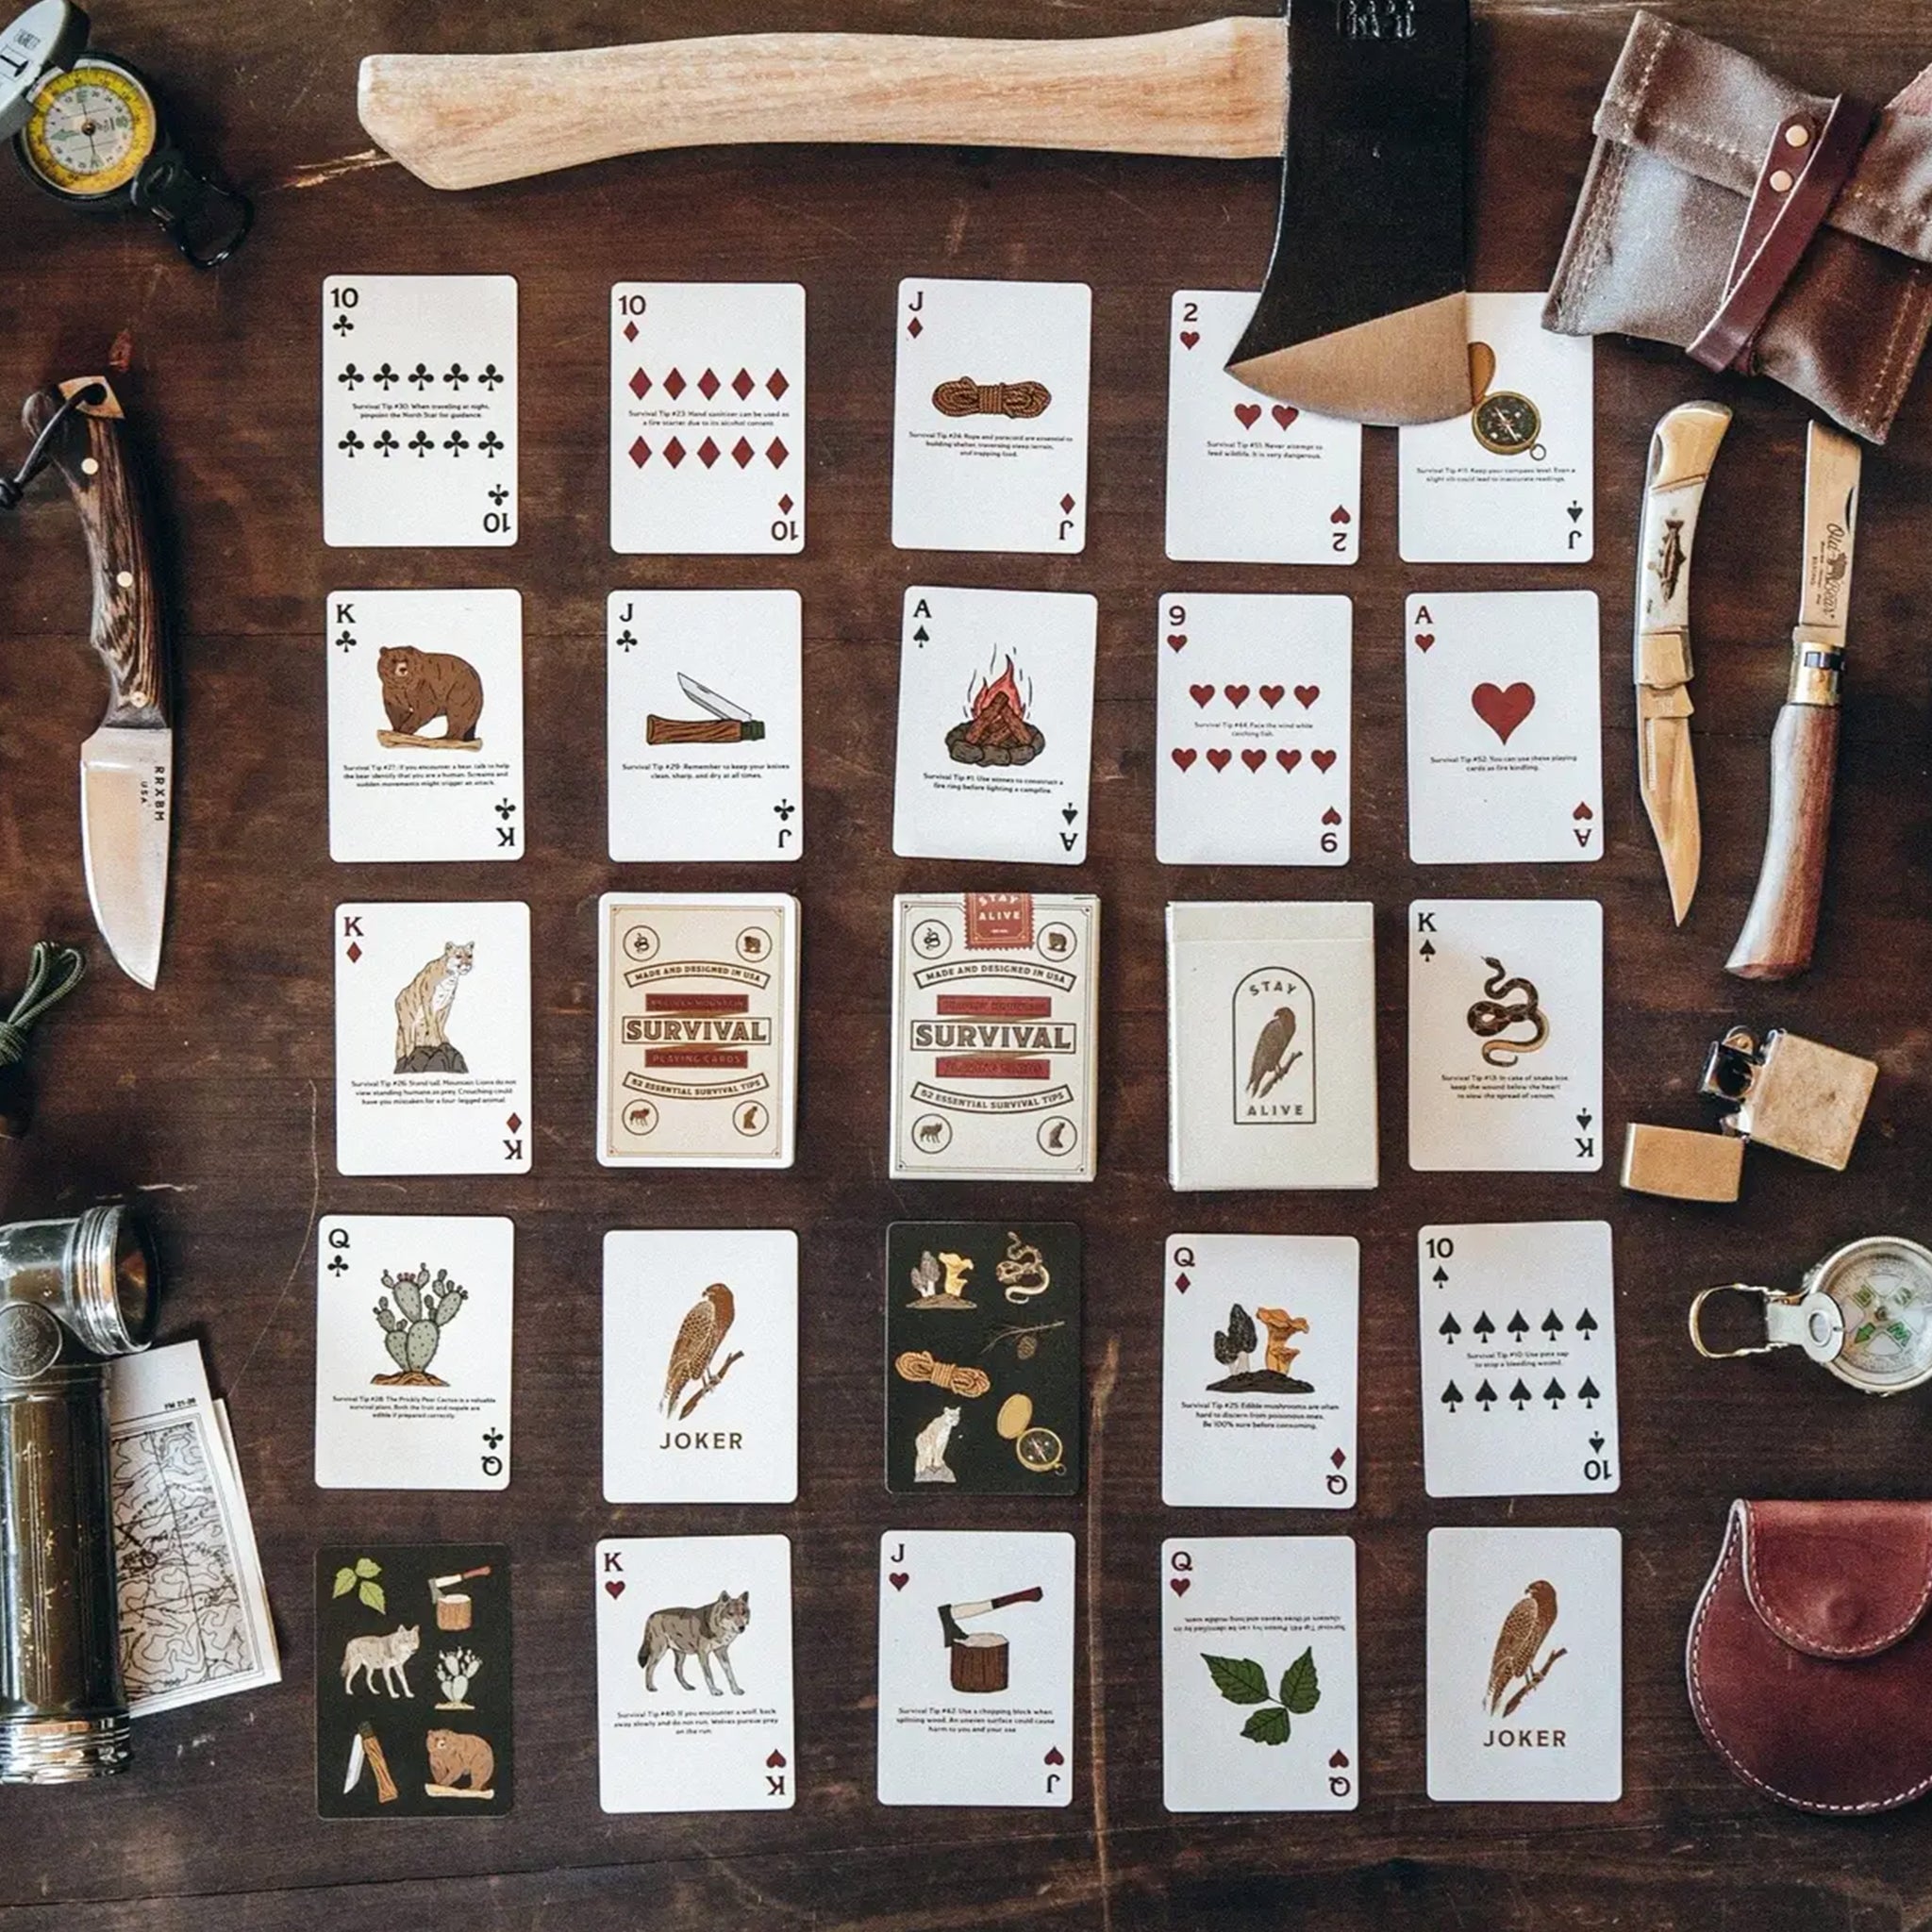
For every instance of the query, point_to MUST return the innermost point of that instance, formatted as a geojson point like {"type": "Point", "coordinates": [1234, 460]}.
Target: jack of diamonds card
{"type": "Point", "coordinates": [419, 412]}
{"type": "Point", "coordinates": [708, 418]}
{"type": "Point", "coordinates": [994, 1007]}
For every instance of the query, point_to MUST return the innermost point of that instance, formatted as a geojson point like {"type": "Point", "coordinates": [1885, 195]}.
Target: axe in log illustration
{"type": "Point", "coordinates": [950, 1614]}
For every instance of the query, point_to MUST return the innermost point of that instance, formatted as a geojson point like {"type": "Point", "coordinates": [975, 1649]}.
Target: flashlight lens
{"type": "Point", "coordinates": [135, 1275]}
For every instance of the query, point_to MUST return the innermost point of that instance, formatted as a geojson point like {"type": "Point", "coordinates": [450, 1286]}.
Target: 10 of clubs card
{"type": "Point", "coordinates": [989, 420]}
{"type": "Point", "coordinates": [975, 1695]}
{"type": "Point", "coordinates": [996, 725]}
{"type": "Point", "coordinates": [1519, 1344]}
{"type": "Point", "coordinates": [1258, 1674]}
{"type": "Point", "coordinates": [708, 418]}
{"type": "Point", "coordinates": [419, 412]}
{"type": "Point", "coordinates": [703, 724]}
{"type": "Point", "coordinates": [433, 1039]}
{"type": "Point", "coordinates": [426, 726]}
{"type": "Point", "coordinates": [1505, 1035]}
{"type": "Point", "coordinates": [412, 1352]}
{"type": "Point", "coordinates": [695, 1702]}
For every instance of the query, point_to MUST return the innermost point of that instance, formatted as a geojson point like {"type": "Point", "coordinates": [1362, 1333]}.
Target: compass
{"type": "Point", "coordinates": [1507, 423]}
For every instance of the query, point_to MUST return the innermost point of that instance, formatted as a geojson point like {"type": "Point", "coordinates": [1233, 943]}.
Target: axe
{"type": "Point", "coordinates": [950, 1632]}
{"type": "Point", "coordinates": [1361, 315]}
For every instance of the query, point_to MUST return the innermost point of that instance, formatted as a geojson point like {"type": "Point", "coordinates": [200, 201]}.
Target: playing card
{"type": "Point", "coordinates": [1511, 481]}
{"type": "Point", "coordinates": [1271, 1063]}
{"type": "Point", "coordinates": [708, 418]}
{"type": "Point", "coordinates": [1505, 1035]}
{"type": "Point", "coordinates": [695, 1702]}
{"type": "Point", "coordinates": [983, 1357]}
{"type": "Point", "coordinates": [413, 1334]}
{"type": "Point", "coordinates": [1526, 1665]}
{"type": "Point", "coordinates": [426, 726]}
{"type": "Point", "coordinates": [994, 1010]}
{"type": "Point", "coordinates": [1252, 729]}
{"type": "Point", "coordinates": [976, 1702]}
{"type": "Point", "coordinates": [433, 1039]}
{"type": "Point", "coordinates": [1258, 1674]}
{"type": "Point", "coordinates": [996, 725]}
{"type": "Point", "coordinates": [419, 412]}
{"type": "Point", "coordinates": [412, 1681]}
{"type": "Point", "coordinates": [1249, 480]}
{"type": "Point", "coordinates": [1518, 1340]}
{"type": "Point", "coordinates": [1258, 1371]}
{"type": "Point", "coordinates": [1505, 736]}
{"type": "Point", "coordinates": [704, 731]}
{"type": "Point", "coordinates": [990, 422]}
{"type": "Point", "coordinates": [701, 1365]}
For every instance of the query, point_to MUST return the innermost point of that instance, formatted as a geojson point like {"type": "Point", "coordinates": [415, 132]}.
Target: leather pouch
{"type": "Point", "coordinates": [1708, 223]}
{"type": "Point", "coordinates": [1809, 1659]}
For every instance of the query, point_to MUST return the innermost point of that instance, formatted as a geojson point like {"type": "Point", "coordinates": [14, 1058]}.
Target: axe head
{"type": "Point", "coordinates": [950, 1632]}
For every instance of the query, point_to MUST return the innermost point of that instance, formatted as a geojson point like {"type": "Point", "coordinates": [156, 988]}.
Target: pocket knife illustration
{"type": "Point", "coordinates": [729, 723]}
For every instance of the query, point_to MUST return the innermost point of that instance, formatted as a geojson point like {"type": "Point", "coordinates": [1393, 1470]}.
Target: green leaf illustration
{"type": "Point", "coordinates": [368, 1566]}
{"type": "Point", "coordinates": [1239, 1679]}
{"type": "Point", "coordinates": [372, 1594]}
{"type": "Point", "coordinates": [1268, 1725]}
{"type": "Point", "coordinates": [1301, 1690]}
{"type": "Point", "coordinates": [345, 1582]}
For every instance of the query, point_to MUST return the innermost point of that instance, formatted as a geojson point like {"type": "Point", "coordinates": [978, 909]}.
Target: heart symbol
{"type": "Point", "coordinates": [1270, 695]}
{"type": "Point", "coordinates": [898, 1579]}
{"type": "Point", "coordinates": [1247, 414]}
{"type": "Point", "coordinates": [1340, 1762]}
{"type": "Point", "coordinates": [1322, 759]}
{"type": "Point", "coordinates": [1179, 1585]}
{"type": "Point", "coordinates": [1423, 639]}
{"type": "Point", "coordinates": [1200, 692]}
{"type": "Point", "coordinates": [1503, 710]}
{"type": "Point", "coordinates": [1254, 760]}
{"type": "Point", "coordinates": [1184, 756]}
{"type": "Point", "coordinates": [1284, 414]}
{"type": "Point", "coordinates": [1219, 757]}
{"type": "Point", "coordinates": [1331, 817]}
{"type": "Point", "coordinates": [1306, 694]}
{"type": "Point", "coordinates": [776, 1760]}
{"type": "Point", "coordinates": [1583, 811]}
{"type": "Point", "coordinates": [1339, 515]}
{"type": "Point", "coordinates": [1237, 695]}
{"type": "Point", "coordinates": [1175, 639]}
{"type": "Point", "coordinates": [1053, 1756]}
{"type": "Point", "coordinates": [615, 1589]}
{"type": "Point", "coordinates": [1188, 338]}
{"type": "Point", "coordinates": [1287, 760]}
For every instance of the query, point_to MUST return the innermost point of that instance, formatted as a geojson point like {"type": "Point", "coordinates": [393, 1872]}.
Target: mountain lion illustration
{"type": "Point", "coordinates": [423, 1043]}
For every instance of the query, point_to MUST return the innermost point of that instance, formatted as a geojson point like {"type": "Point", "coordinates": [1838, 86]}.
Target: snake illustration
{"type": "Point", "coordinates": [1490, 1014]}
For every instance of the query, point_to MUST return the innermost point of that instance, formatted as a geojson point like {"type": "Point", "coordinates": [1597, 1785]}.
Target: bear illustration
{"type": "Point", "coordinates": [459, 1758]}
{"type": "Point", "coordinates": [419, 687]}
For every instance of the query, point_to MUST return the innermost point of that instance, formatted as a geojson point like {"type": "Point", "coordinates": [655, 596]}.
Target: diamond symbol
{"type": "Point", "coordinates": [775, 382]}
{"type": "Point", "coordinates": [640, 452]}
{"type": "Point", "coordinates": [741, 383]}
{"type": "Point", "coordinates": [630, 331]}
{"type": "Point", "coordinates": [741, 452]}
{"type": "Point", "coordinates": [708, 385]}
{"type": "Point", "coordinates": [1067, 505]}
{"type": "Point", "coordinates": [514, 1121]}
{"type": "Point", "coordinates": [913, 328]}
{"type": "Point", "coordinates": [354, 952]}
{"type": "Point", "coordinates": [1338, 1459]}
{"type": "Point", "coordinates": [777, 453]}
{"type": "Point", "coordinates": [674, 451]}
{"type": "Point", "coordinates": [638, 383]}
{"type": "Point", "coordinates": [708, 452]}
{"type": "Point", "coordinates": [674, 385]}
{"type": "Point", "coordinates": [785, 505]}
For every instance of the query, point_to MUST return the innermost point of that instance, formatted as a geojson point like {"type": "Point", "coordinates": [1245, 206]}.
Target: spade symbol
{"type": "Point", "coordinates": [1484, 1327]}
{"type": "Point", "coordinates": [1589, 1393]}
{"type": "Point", "coordinates": [1586, 1324]}
{"type": "Point", "coordinates": [1518, 1326]}
{"type": "Point", "coordinates": [1553, 1323]}
{"type": "Point", "coordinates": [1427, 949]}
{"type": "Point", "coordinates": [1519, 1395]}
{"type": "Point", "coordinates": [1486, 1395]}
{"type": "Point", "coordinates": [1553, 1393]}
{"type": "Point", "coordinates": [1441, 1277]}
{"type": "Point", "coordinates": [1451, 1328]}
{"type": "Point", "coordinates": [1450, 1397]}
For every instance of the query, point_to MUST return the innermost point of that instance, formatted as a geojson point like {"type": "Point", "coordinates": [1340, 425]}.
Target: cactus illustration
{"type": "Point", "coordinates": [455, 1671]}
{"type": "Point", "coordinates": [412, 1330]}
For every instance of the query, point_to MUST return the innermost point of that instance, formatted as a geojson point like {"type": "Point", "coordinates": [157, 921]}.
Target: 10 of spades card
{"type": "Point", "coordinates": [996, 725]}
{"type": "Point", "coordinates": [1525, 1664]}
{"type": "Point", "coordinates": [1513, 480]}
{"type": "Point", "coordinates": [708, 418]}
{"type": "Point", "coordinates": [697, 1020]}
{"type": "Point", "coordinates": [1505, 1035]}
{"type": "Point", "coordinates": [433, 1039]}
{"type": "Point", "coordinates": [983, 1357]}
{"type": "Point", "coordinates": [1505, 734]}
{"type": "Point", "coordinates": [989, 421]}
{"type": "Point", "coordinates": [994, 1010]}
{"type": "Point", "coordinates": [694, 1700]}
{"type": "Point", "coordinates": [412, 1681]}
{"type": "Point", "coordinates": [1258, 1371]}
{"type": "Point", "coordinates": [412, 1352]}
{"type": "Point", "coordinates": [701, 1365]}
{"type": "Point", "coordinates": [426, 726]}
{"type": "Point", "coordinates": [1519, 1347]}
{"type": "Point", "coordinates": [1271, 1061]}
{"type": "Point", "coordinates": [419, 412]}
{"type": "Point", "coordinates": [975, 1695]}
{"type": "Point", "coordinates": [1249, 480]}
{"type": "Point", "coordinates": [1258, 1674]}
{"type": "Point", "coordinates": [704, 731]}
{"type": "Point", "coordinates": [1253, 728]}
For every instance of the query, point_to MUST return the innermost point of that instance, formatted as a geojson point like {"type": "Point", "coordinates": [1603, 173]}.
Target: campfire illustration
{"type": "Point", "coordinates": [996, 730]}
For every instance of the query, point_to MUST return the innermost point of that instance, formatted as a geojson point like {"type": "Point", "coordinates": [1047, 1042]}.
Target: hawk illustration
{"type": "Point", "coordinates": [700, 1336]}
{"type": "Point", "coordinates": [1523, 1630]}
{"type": "Point", "coordinates": [1273, 1059]}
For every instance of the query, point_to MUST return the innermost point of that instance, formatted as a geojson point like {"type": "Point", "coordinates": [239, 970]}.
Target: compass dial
{"type": "Point", "coordinates": [1884, 1288]}
{"type": "Point", "coordinates": [1507, 423]}
{"type": "Point", "coordinates": [91, 128]}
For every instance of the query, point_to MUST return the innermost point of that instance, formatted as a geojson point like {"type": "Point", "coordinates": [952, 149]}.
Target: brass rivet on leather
{"type": "Point", "coordinates": [1797, 135]}
{"type": "Point", "coordinates": [1780, 182]}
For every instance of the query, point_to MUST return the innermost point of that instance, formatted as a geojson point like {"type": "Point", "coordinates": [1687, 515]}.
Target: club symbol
{"type": "Point", "coordinates": [351, 443]}
{"type": "Point", "coordinates": [506, 809]}
{"type": "Point", "coordinates": [457, 375]}
{"type": "Point", "coordinates": [351, 376]}
{"type": "Point", "coordinates": [346, 642]}
{"type": "Point", "coordinates": [387, 444]}
{"type": "Point", "coordinates": [456, 443]}
{"type": "Point", "coordinates": [385, 378]}
{"type": "Point", "coordinates": [784, 810]}
{"type": "Point", "coordinates": [492, 444]}
{"type": "Point", "coordinates": [339, 1266]}
{"type": "Point", "coordinates": [493, 1438]}
{"type": "Point", "coordinates": [421, 443]}
{"type": "Point", "coordinates": [343, 325]}
{"type": "Point", "coordinates": [498, 494]}
{"type": "Point", "coordinates": [421, 377]}
{"type": "Point", "coordinates": [491, 375]}
{"type": "Point", "coordinates": [625, 643]}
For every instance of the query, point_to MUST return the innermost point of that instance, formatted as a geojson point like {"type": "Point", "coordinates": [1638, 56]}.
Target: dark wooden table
{"type": "Point", "coordinates": [209, 1102]}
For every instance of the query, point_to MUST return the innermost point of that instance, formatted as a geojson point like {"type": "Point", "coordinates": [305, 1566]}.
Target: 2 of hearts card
{"type": "Point", "coordinates": [1258, 1674]}
{"type": "Point", "coordinates": [426, 726]}
{"type": "Point", "coordinates": [1512, 481]}
{"type": "Point", "coordinates": [419, 412]}
{"type": "Point", "coordinates": [1506, 1036]}
{"type": "Point", "coordinates": [990, 417]}
{"type": "Point", "coordinates": [703, 725]}
{"type": "Point", "coordinates": [694, 1695]}
{"type": "Point", "coordinates": [708, 418]}
{"type": "Point", "coordinates": [1258, 1371]}
{"type": "Point", "coordinates": [1505, 733]}
{"type": "Point", "coordinates": [432, 1039]}
{"type": "Point", "coordinates": [994, 1010]}
{"type": "Point", "coordinates": [1249, 480]}
{"type": "Point", "coordinates": [996, 725]}
{"type": "Point", "coordinates": [1519, 1353]}
{"type": "Point", "coordinates": [412, 1352]}
{"type": "Point", "coordinates": [983, 1358]}
{"type": "Point", "coordinates": [701, 1365]}
{"type": "Point", "coordinates": [697, 1020]}
{"type": "Point", "coordinates": [1253, 728]}
{"type": "Point", "coordinates": [1525, 1665]}
{"type": "Point", "coordinates": [975, 1695]}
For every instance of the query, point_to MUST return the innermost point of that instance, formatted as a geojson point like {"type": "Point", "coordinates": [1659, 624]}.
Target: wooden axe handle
{"type": "Point", "coordinates": [465, 120]}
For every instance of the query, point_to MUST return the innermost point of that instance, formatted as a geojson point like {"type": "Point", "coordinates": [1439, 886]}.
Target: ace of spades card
{"type": "Point", "coordinates": [419, 412]}
{"type": "Point", "coordinates": [983, 1357]}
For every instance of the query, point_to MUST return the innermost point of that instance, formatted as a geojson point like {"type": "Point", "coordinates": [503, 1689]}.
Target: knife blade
{"type": "Point", "coordinates": [354, 1772]}
{"type": "Point", "coordinates": [707, 699]}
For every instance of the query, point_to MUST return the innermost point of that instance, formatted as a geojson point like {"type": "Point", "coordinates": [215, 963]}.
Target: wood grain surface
{"type": "Point", "coordinates": [209, 1102]}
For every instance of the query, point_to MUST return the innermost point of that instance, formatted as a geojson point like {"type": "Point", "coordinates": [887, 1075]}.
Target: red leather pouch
{"type": "Point", "coordinates": [1809, 1659]}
